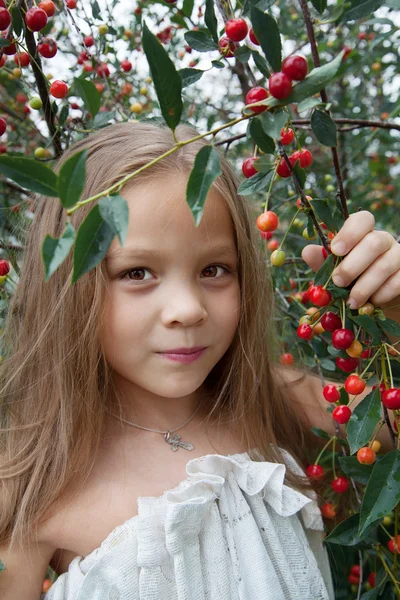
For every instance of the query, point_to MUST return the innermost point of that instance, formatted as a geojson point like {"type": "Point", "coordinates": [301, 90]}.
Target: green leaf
{"type": "Point", "coordinates": [29, 174]}
{"type": "Point", "coordinates": [262, 5]}
{"type": "Point", "coordinates": [370, 325]}
{"type": "Point", "coordinates": [325, 270]}
{"type": "Point", "coordinates": [63, 115]}
{"type": "Point", "coordinates": [200, 41]}
{"type": "Point", "coordinates": [263, 141]}
{"type": "Point", "coordinates": [92, 242]}
{"type": "Point", "coordinates": [56, 250]}
{"type": "Point", "coordinates": [190, 76]}
{"type": "Point", "coordinates": [361, 8]}
{"type": "Point", "coordinates": [218, 64]}
{"type": "Point", "coordinates": [351, 467]}
{"type": "Point", "coordinates": [263, 164]}
{"type": "Point", "coordinates": [301, 176]}
{"type": "Point", "coordinates": [166, 79]}
{"type": "Point", "coordinates": [383, 490]}
{"type": "Point", "coordinates": [365, 417]}
{"type": "Point", "coordinates": [211, 20]}
{"type": "Point", "coordinates": [390, 326]}
{"type": "Point", "coordinates": [322, 208]}
{"type": "Point", "coordinates": [16, 20]}
{"type": "Point", "coordinates": [187, 8]}
{"type": "Point", "coordinates": [273, 123]}
{"type": "Point", "coordinates": [102, 119]}
{"type": "Point", "coordinates": [205, 170]}
{"type": "Point", "coordinates": [324, 128]}
{"type": "Point", "coordinates": [267, 33]}
{"type": "Point", "coordinates": [346, 533]}
{"type": "Point", "coordinates": [308, 103]}
{"type": "Point", "coordinates": [320, 433]}
{"type": "Point", "coordinates": [243, 54]}
{"type": "Point", "coordinates": [327, 364]}
{"type": "Point", "coordinates": [115, 212]}
{"type": "Point", "coordinates": [71, 179]}
{"type": "Point", "coordinates": [257, 183]}
{"type": "Point", "coordinates": [96, 12]}
{"type": "Point", "coordinates": [316, 80]}
{"type": "Point", "coordinates": [337, 292]}
{"type": "Point", "coordinates": [89, 94]}
{"type": "Point", "coordinates": [319, 5]}
{"type": "Point", "coordinates": [261, 63]}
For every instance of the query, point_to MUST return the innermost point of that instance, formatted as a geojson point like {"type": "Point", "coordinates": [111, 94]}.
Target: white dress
{"type": "Point", "coordinates": [231, 531]}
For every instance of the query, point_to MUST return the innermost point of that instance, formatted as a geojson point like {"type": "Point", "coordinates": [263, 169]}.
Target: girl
{"type": "Point", "coordinates": [167, 345]}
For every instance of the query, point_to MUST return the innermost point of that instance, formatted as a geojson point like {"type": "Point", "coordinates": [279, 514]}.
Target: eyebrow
{"type": "Point", "coordinates": [133, 253]}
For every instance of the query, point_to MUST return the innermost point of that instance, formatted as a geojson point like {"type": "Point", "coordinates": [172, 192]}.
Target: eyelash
{"type": "Point", "coordinates": [123, 276]}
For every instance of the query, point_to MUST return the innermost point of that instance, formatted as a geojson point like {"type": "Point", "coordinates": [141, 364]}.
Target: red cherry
{"type": "Point", "coordinates": [267, 221]}
{"type": "Point", "coordinates": [283, 169]}
{"type": "Point", "coordinates": [126, 65]}
{"type": "Point", "coordinates": [223, 43]}
{"type": "Point", "coordinates": [5, 18]}
{"type": "Point", "coordinates": [342, 339]}
{"type": "Point", "coordinates": [355, 570]}
{"type": "Point", "coordinates": [347, 51]}
{"type": "Point", "coordinates": [368, 353]}
{"type": "Point", "coordinates": [366, 456]}
{"type": "Point", "coordinates": [253, 37]}
{"type": "Point", "coordinates": [280, 85]}
{"type": "Point", "coordinates": [391, 398]}
{"type": "Point", "coordinates": [287, 136]}
{"type": "Point", "coordinates": [354, 385]}
{"type": "Point", "coordinates": [286, 359]}
{"type": "Point", "coordinates": [3, 127]}
{"type": "Point", "coordinates": [315, 472]}
{"type": "Point", "coordinates": [47, 48]}
{"type": "Point", "coordinates": [348, 365]}
{"type": "Point", "coordinates": [11, 48]}
{"type": "Point", "coordinates": [88, 40]}
{"type": "Point", "coordinates": [328, 511]}
{"type": "Point", "coordinates": [331, 393]}
{"type": "Point", "coordinates": [4, 267]}
{"type": "Point", "coordinates": [340, 485]}
{"type": "Point", "coordinates": [103, 70]}
{"type": "Point", "coordinates": [266, 235]}
{"type": "Point", "coordinates": [295, 67]}
{"type": "Point", "coordinates": [2, 61]}
{"type": "Point", "coordinates": [71, 4]}
{"type": "Point", "coordinates": [248, 168]}
{"type": "Point", "coordinates": [341, 413]}
{"type": "Point", "coordinates": [304, 156]}
{"type": "Point", "coordinates": [331, 321]}
{"type": "Point", "coordinates": [236, 29]}
{"type": "Point", "coordinates": [319, 296]}
{"type": "Point", "coordinates": [371, 579]}
{"type": "Point", "coordinates": [393, 546]}
{"type": "Point", "coordinates": [22, 59]}
{"type": "Point", "coordinates": [58, 89]}
{"type": "Point", "coordinates": [305, 332]}
{"type": "Point", "coordinates": [353, 579]}
{"type": "Point", "coordinates": [256, 94]}
{"type": "Point", "coordinates": [48, 6]}
{"type": "Point", "coordinates": [36, 18]}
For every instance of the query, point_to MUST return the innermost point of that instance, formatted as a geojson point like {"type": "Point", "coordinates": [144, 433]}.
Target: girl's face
{"type": "Point", "coordinates": [170, 286]}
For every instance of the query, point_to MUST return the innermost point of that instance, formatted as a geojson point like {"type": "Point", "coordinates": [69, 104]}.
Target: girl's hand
{"type": "Point", "coordinates": [372, 255]}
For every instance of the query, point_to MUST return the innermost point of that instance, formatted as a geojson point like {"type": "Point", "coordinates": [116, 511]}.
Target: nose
{"type": "Point", "coordinates": [183, 304]}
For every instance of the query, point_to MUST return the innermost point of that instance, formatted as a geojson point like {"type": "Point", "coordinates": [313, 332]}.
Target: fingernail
{"type": "Point", "coordinates": [351, 303]}
{"type": "Point", "coordinates": [337, 280]}
{"type": "Point", "coordinates": [338, 247]}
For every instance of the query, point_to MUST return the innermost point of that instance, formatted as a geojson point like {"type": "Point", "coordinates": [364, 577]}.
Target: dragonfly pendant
{"type": "Point", "coordinates": [175, 441]}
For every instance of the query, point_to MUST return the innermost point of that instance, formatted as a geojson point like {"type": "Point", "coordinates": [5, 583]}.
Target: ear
{"type": "Point", "coordinates": [312, 255]}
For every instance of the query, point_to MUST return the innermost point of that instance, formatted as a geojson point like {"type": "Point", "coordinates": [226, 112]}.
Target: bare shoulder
{"type": "Point", "coordinates": [25, 570]}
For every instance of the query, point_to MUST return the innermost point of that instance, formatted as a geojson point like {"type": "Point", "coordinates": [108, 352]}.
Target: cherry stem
{"type": "Point", "coordinates": [333, 457]}
{"type": "Point", "coordinates": [324, 448]}
{"type": "Point", "coordinates": [389, 365]}
{"type": "Point", "coordinates": [270, 190]}
{"type": "Point", "coordinates": [287, 230]}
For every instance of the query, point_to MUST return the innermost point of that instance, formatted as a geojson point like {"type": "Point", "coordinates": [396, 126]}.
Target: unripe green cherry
{"type": "Point", "coordinates": [328, 177]}
{"type": "Point", "coordinates": [308, 237]}
{"type": "Point", "coordinates": [330, 188]}
{"type": "Point", "coordinates": [297, 222]}
{"type": "Point", "coordinates": [278, 257]}
{"type": "Point", "coordinates": [366, 309]}
{"type": "Point", "coordinates": [40, 153]}
{"type": "Point", "coordinates": [103, 29]}
{"type": "Point", "coordinates": [35, 103]}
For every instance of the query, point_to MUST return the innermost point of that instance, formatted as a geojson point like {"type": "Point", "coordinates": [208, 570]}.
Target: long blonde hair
{"type": "Point", "coordinates": [54, 380]}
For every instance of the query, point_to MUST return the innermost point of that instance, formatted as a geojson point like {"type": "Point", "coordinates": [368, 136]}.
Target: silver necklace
{"type": "Point", "coordinates": [174, 440]}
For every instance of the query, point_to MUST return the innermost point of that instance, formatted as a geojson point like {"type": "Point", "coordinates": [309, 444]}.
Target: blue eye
{"type": "Point", "coordinates": [125, 276]}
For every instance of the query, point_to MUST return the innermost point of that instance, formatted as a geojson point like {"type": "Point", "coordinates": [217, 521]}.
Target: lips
{"type": "Point", "coordinates": [183, 350]}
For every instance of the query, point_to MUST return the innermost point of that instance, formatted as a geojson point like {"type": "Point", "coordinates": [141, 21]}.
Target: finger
{"type": "Point", "coordinates": [389, 289]}
{"type": "Point", "coordinates": [312, 255]}
{"type": "Point", "coordinates": [365, 253]}
{"type": "Point", "coordinates": [375, 277]}
{"type": "Point", "coordinates": [354, 229]}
